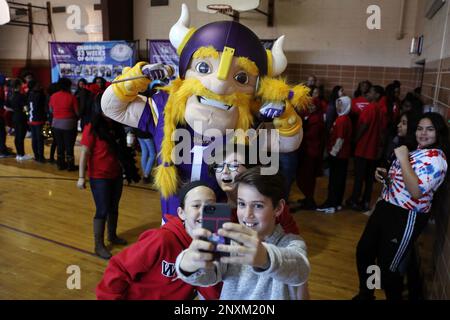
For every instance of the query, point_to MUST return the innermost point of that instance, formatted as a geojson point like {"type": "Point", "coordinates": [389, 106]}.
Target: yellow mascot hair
{"type": "Point", "coordinates": [166, 175]}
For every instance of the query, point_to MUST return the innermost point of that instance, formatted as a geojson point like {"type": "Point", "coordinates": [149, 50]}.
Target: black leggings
{"type": "Point", "coordinates": [389, 234]}
{"type": "Point", "coordinates": [20, 132]}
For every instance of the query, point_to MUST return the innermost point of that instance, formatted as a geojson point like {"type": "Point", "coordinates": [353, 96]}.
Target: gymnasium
{"type": "Point", "coordinates": [355, 95]}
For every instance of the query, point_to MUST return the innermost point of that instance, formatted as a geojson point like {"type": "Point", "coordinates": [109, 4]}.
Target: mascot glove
{"type": "Point", "coordinates": [127, 91]}
{"type": "Point", "coordinates": [270, 110]}
{"type": "Point", "coordinates": [289, 123]}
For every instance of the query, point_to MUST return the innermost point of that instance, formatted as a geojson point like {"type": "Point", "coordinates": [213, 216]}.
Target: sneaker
{"type": "Point", "coordinates": [26, 157]}
{"type": "Point", "coordinates": [18, 158]}
{"type": "Point", "coordinates": [338, 208]}
{"type": "Point", "coordinates": [328, 210]}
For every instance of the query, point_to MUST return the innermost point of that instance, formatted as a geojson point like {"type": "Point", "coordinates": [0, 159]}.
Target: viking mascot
{"type": "Point", "coordinates": [226, 81]}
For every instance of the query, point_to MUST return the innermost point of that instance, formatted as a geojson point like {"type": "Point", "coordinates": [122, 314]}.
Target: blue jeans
{"type": "Point", "coordinates": [148, 155]}
{"type": "Point", "coordinates": [107, 193]}
{"type": "Point", "coordinates": [288, 168]}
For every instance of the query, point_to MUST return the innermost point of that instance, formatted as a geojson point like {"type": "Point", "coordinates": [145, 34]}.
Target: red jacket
{"type": "Point", "coordinates": [313, 134]}
{"type": "Point", "coordinates": [146, 269]}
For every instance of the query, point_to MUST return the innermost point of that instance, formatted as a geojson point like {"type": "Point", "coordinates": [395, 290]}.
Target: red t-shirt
{"type": "Point", "coordinates": [359, 104]}
{"type": "Point", "coordinates": [368, 145]}
{"type": "Point", "coordinates": [342, 128]}
{"type": "Point", "coordinates": [102, 163]}
{"type": "Point", "coordinates": [64, 105]}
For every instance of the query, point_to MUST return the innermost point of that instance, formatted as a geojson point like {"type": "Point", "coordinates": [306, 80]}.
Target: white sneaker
{"type": "Point", "coordinates": [328, 210]}
{"type": "Point", "coordinates": [18, 158]}
{"type": "Point", "coordinates": [26, 157]}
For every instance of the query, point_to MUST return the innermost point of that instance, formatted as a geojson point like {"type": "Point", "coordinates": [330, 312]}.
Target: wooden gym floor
{"type": "Point", "coordinates": [46, 226]}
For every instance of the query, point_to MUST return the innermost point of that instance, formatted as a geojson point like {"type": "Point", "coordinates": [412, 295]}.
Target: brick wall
{"type": "Point", "coordinates": [434, 244]}
{"type": "Point", "coordinates": [350, 76]}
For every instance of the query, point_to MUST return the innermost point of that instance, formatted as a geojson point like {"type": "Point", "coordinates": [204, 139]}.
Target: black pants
{"type": "Point", "coordinates": [65, 142]}
{"type": "Point", "coordinates": [20, 131]}
{"type": "Point", "coordinates": [336, 183]}
{"type": "Point", "coordinates": [37, 141]}
{"type": "Point", "coordinates": [364, 175]}
{"type": "Point", "coordinates": [3, 148]}
{"type": "Point", "coordinates": [389, 234]}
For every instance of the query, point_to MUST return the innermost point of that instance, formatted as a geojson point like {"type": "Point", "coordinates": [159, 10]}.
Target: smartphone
{"type": "Point", "coordinates": [213, 217]}
{"type": "Point", "coordinates": [385, 176]}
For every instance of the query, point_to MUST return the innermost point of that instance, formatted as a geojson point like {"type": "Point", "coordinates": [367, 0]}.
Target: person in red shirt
{"type": "Point", "coordinates": [368, 150]}
{"type": "Point", "coordinates": [360, 100]}
{"type": "Point", "coordinates": [339, 150]}
{"type": "Point", "coordinates": [310, 155]}
{"type": "Point", "coordinates": [146, 269]}
{"type": "Point", "coordinates": [64, 108]}
{"type": "Point", "coordinates": [319, 101]}
{"type": "Point", "coordinates": [100, 151]}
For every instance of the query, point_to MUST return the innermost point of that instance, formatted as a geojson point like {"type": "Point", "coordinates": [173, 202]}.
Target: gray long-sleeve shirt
{"type": "Point", "coordinates": [289, 268]}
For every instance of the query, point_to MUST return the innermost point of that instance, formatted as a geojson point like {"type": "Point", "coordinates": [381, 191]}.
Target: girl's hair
{"type": "Point", "coordinates": [16, 84]}
{"type": "Point", "coordinates": [390, 99]}
{"type": "Point", "coordinates": [335, 94]}
{"type": "Point", "coordinates": [379, 90]}
{"type": "Point", "coordinates": [101, 128]}
{"type": "Point", "coordinates": [83, 80]}
{"type": "Point", "coordinates": [441, 128]}
{"type": "Point", "coordinates": [185, 188]}
{"type": "Point", "coordinates": [410, 139]}
{"type": "Point", "coordinates": [416, 103]}
{"type": "Point", "coordinates": [358, 91]}
{"type": "Point", "coordinates": [65, 84]}
{"type": "Point", "coordinates": [321, 90]}
{"type": "Point", "coordinates": [271, 186]}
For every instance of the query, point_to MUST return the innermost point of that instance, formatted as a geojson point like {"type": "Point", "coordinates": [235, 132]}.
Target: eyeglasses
{"type": "Point", "coordinates": [231, 166]}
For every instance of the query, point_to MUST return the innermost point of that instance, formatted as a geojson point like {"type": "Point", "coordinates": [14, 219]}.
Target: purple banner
{"type": "Point", "coordinates": [75, 60]}
{"type": "Point", "coordinates": [162, 51]}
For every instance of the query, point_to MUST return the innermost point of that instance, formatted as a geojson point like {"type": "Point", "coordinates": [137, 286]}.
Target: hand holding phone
{"type": "Point", "coordinates": [383, 176]}
{"type": "Point", "coordinates": [213, 217]}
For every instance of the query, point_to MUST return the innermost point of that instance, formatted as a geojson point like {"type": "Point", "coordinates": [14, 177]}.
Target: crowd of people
{"type": "Point", "coordinates": [391, 140]}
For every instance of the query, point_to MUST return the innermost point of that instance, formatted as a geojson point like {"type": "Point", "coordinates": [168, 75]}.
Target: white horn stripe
{"type": "Point", "coordinates": [181, 28]}
{"type": "Point", "coordinates": [279, 61]}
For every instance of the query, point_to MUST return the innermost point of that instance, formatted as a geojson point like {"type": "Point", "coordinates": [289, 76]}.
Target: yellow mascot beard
{"type": "Point", "coordinates": [166, 175]}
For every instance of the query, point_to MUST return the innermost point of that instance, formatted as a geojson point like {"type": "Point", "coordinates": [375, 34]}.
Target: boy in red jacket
{"type": "Point", "coordinates": [146, 270]}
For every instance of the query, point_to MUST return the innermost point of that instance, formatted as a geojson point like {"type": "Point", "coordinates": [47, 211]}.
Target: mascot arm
{"type": "Point", "coordinates": [128, 113]}
{"type": "Point", "coordinates": [283, 101]}
{"type": "Point", "coordinates": [121, 101]}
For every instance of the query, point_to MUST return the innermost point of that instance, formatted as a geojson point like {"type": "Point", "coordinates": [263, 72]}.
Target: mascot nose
{"type": "Point", "coordinates": [220, 86]}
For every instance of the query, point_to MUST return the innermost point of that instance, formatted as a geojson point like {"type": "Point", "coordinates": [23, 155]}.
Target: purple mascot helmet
{"type": "Point", "coordinates": [229, 37]}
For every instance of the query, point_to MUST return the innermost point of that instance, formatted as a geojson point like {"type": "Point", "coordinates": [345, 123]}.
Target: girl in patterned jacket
{"type": "Point", "coordinates": [399, 218]}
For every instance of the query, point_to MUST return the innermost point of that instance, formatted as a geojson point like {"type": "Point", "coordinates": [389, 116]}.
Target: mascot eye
{"type": "Point", "coordinates": [241, 77]}
{"type": "Point", "coordinates": [203, 67]}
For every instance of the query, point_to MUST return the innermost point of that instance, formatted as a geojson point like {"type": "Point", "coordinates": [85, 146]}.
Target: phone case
{"type": "Point", "coordinates": [214, 216]}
